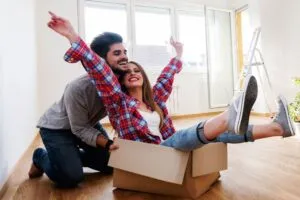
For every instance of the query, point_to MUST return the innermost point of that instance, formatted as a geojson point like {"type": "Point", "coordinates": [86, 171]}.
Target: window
{"type": "Point", "coordinates": [243, 34]}
{"type": "Point", "coordinates": [194, 54]}
{"type": "Point", "coordinates": [152, 34]}
{"type": "Point", "coordinates": [246, 31]}
{"type": "Point", "coordinates": [220, 59]}
{"type": "Point", "coordinates": [96, 19]}
{"type": "Point", "coordinates": [147, 28]}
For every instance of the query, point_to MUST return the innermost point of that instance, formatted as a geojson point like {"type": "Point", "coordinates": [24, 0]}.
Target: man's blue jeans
{"type": "Point", "coordinates": [193, 137]}
{"type": "Point", "coordinates": [66, 156]}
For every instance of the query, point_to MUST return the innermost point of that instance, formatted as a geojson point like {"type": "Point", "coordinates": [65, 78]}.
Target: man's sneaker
{"type": "Point", "coordinates": [283, 117]}
{"type": "Point", "coordinates": [239, 110]}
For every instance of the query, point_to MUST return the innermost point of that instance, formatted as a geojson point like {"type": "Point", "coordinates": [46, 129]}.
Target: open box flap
{"type": "Point", "coordinates": [209, 158]}
{"type": "Point", "coordinates": [151, 160]}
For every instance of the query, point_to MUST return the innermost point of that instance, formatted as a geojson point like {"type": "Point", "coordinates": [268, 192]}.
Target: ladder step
{"type": "Point", "coordinates": [255, 64]}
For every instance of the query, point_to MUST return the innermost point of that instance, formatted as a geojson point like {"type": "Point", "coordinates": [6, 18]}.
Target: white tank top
{"type": "Point", "coordinates": [153, 120]}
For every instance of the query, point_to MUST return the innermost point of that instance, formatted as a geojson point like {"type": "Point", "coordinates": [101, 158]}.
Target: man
{"type": "Point", "coordinates": [70, 128]}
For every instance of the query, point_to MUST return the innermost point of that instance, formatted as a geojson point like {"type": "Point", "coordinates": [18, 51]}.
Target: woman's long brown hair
{"type": "Point", "coordinates": [147, 92]}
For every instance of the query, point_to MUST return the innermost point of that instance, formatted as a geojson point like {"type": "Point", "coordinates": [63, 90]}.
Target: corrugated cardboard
{"type": "Point", "coordinates": [209, 158]}
{"type": "Point", "coordinates": [163, 170]}
{"type": "Point", "coordinates": [150, 159]}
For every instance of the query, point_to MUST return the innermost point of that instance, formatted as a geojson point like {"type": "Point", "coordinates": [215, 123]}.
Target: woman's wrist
{"type": "Point", "coordinates": [72, 37]}
{"type": "Point", "coordinates": [178, 57]}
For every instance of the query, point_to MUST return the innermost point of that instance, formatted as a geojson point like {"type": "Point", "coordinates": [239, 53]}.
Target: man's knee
{"type": "Point", "coordinates": [70, 178]}
{"type": "Point", "coordinates": [107, 170]}
{"type": "Point", "coordinates": [70, 181]}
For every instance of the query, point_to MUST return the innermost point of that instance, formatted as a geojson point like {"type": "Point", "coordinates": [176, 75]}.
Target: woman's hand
{"type": "Point", "coordinates": [178, 47]}
{"type": "Point", "coordinates": [63, 27]}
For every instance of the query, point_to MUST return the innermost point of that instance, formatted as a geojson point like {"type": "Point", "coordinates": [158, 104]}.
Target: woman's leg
{"type": "Point", "coordinates": [280, 126]}
{"type": "Point", "coordinates": [186, 139]}
{"type": "Point", "coordinates": [235, 120]}
{"type": "Point", "coordinates": [267, 130]}
{"type": "Point", "coordinates": [197, 136]}
{"type": "Point", "coordinates": [253, 133]}
{"type": "Point", "coordinates": [283, 118]}
{"type": "Point", "coordinates": [234, 139]}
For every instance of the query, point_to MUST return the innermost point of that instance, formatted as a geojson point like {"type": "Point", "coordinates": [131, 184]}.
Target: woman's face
{"type": "Point", "coordinates": [133, 77]}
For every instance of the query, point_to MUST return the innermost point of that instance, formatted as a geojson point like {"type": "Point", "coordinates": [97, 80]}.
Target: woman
{"type": "Point", "coordinates": [138, 113]}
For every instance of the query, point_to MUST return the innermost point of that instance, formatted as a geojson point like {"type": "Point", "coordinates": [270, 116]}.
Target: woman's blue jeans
{"type": "Point", "coordinates": [193, 137]}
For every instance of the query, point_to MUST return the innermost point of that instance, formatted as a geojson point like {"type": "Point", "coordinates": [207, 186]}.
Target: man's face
{"type": "Point", "coordinates": [117, 57]}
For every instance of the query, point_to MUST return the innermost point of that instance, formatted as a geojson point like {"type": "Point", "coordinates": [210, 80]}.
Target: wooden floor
{"type": "Point", "coordinates": [266, 169]}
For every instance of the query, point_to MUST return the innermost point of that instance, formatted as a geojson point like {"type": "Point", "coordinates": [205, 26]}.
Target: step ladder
{"type": "Point", "coordinates": [255, 59]}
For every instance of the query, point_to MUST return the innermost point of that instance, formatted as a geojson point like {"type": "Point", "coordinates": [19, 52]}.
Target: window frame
{"type": "Point", "coordinates": [233, 54]}
{"type": "Point", "coordinates": [151, 10]}
{"type": "Point", "coordinates": [110, 3]}
{"type": "Point", "coordinates": [196, 12]}
{"type": "Point", "coordinates": [174, 7]}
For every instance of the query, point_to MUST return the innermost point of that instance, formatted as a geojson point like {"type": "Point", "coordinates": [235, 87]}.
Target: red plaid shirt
{"type": "Point", "coordinates": [122, 109]}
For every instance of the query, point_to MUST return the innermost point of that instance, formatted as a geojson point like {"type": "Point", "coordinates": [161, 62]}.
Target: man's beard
{"type": "Point", "coordinates": [118, 71]}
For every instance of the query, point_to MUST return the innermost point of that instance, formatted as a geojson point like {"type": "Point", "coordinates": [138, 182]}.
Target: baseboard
{"type": "Point", "coordinates": [197, 115]}
{"type": "Point", "coordinates": [11, 180]}
{"type": "Point", "coordinates": [262, 114]}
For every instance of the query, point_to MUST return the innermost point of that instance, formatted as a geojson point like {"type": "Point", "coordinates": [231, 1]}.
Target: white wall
{"type": "Point", "coordinates": [279, 40]}
{"type": "Point", "coordinates": [18, 81]}
{"type": "Point", "coordinates": [2, 166]}
{"type": "Point", "coordinates": [53, 72]}
{"type": "Point", "coordinates": [236, 4]}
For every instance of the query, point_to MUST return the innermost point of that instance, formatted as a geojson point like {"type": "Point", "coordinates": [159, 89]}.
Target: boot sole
{"type": "Point", "coordinates": [291, 126]}
{"type": "Point", "coordinates": [248, 99]}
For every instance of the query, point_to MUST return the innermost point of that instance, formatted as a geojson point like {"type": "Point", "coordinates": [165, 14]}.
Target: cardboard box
{"type": "Point", "coordinates": [164, 170]}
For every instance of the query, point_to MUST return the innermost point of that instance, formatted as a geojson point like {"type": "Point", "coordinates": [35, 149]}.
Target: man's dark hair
{"type": "Point", "coordinates": [101, 44]}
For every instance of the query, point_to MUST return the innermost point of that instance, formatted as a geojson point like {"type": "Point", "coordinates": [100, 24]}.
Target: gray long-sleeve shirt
{"type": "Point", "coordinates": [79, 109]}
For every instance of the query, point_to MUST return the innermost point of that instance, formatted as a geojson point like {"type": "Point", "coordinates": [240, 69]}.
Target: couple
{"type": "Point", "coordinates": [138, 113]}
